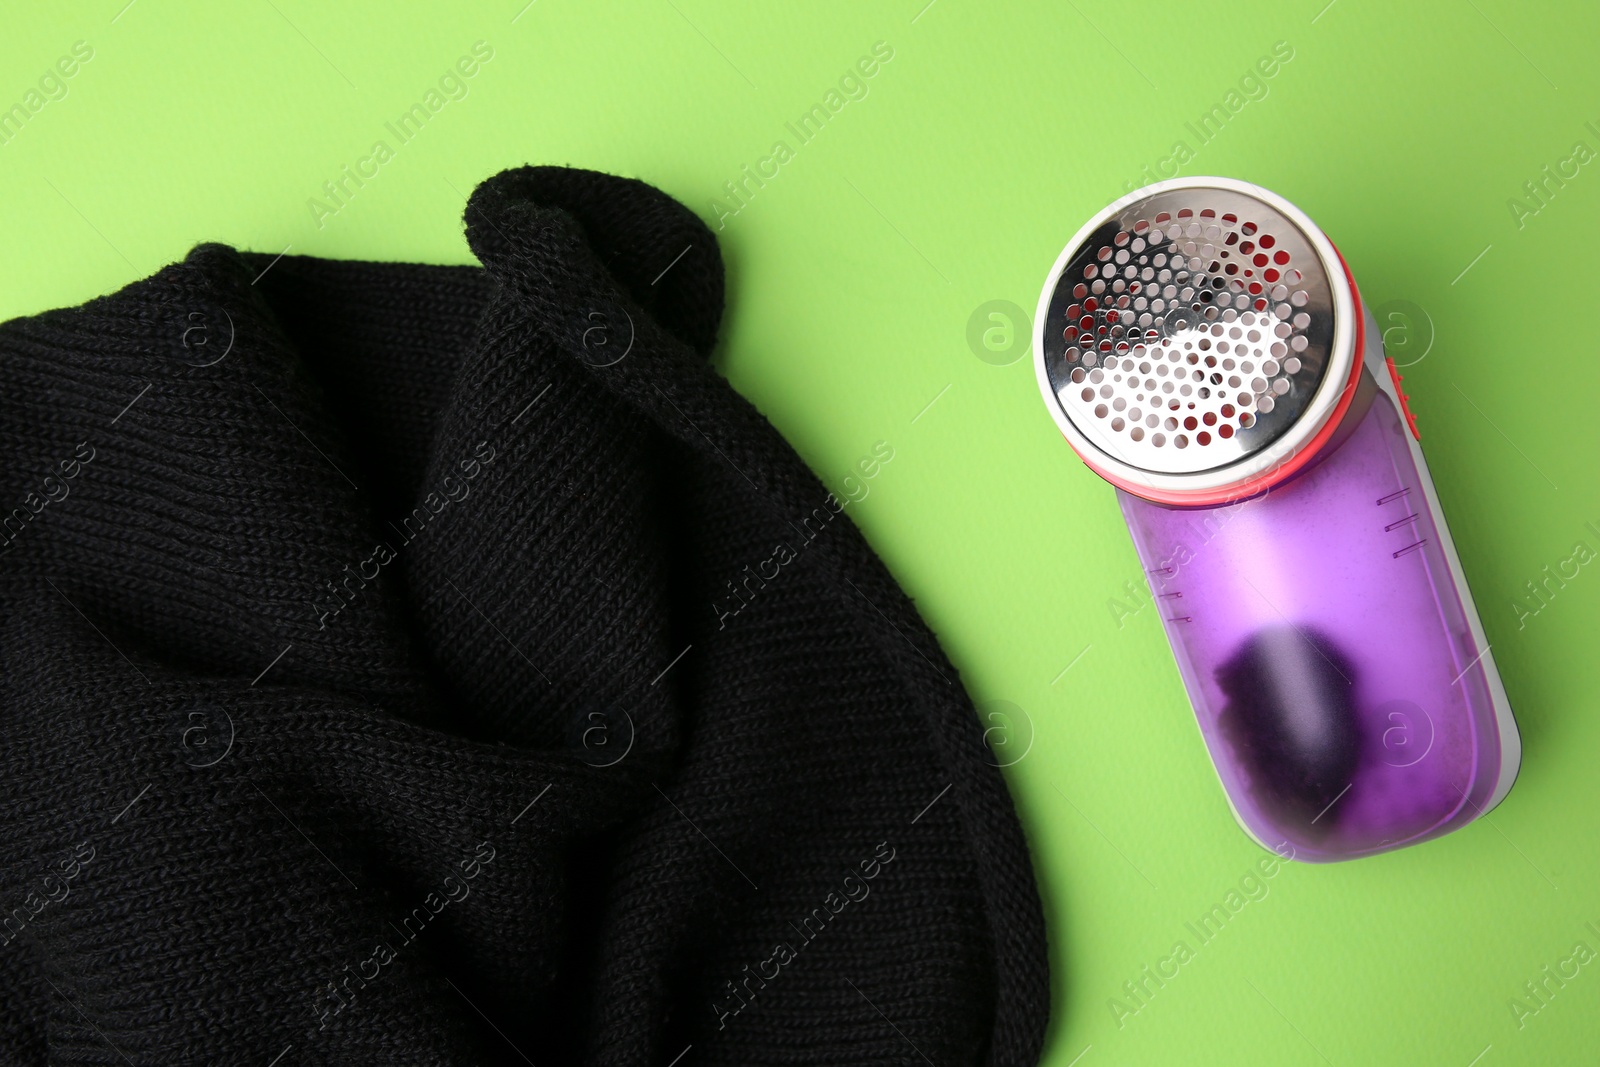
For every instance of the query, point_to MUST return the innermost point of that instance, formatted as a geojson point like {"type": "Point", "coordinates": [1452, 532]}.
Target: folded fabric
{"type": "Point", "coordinates": [444, 665]}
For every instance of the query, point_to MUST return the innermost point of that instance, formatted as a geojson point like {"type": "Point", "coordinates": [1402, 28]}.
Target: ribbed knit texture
{"type": "Point", "coordinates": [370, 691]}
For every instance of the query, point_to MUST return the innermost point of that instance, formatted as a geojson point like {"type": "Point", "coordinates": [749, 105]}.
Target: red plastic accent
{"type": "Point", "coordinates": [1405, 405]}
{"type": "Point", "coordinates": [1267, 479]}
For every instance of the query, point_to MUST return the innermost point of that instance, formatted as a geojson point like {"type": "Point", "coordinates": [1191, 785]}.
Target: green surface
{"type": "Point", "coordinates": [974, 153]}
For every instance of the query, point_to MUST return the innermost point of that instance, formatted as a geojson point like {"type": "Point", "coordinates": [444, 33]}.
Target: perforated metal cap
{"type": "Point", "coordinates": [1193, 335]}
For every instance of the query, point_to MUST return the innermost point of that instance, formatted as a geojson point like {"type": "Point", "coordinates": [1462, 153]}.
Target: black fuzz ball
{"type": "Point", "coordinates": [1291, 721]}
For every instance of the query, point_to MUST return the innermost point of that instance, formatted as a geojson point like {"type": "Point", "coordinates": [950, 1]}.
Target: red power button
{"type": "Point", "coordinates": [1405, 407]}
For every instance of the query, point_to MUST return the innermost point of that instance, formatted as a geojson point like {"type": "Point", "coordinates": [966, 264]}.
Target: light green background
{"type": "Point", "coordinates": [1402, 128]}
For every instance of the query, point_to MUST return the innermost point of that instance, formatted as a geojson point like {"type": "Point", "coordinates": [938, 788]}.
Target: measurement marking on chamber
{"type": "Point", "coordinates": [1410, 548]}
{"type": "Point", "coordinates": [1400, 522]}
{"type": "Point", "coordinates": [1181, 618]}
{"type": "Point", "coordinates": [1167, 596]}
{"type": "Point", "coordinates": [1394, 496]}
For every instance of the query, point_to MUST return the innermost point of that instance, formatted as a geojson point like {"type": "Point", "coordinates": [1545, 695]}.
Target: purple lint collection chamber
{"type": "Point", "coordinates": [1203, 348]}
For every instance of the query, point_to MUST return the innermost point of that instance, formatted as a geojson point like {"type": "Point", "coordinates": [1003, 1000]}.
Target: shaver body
{"type": "Point", "coordinates": [1330, 647]}
{"type": "Point", "coordinates": [1309, 586]}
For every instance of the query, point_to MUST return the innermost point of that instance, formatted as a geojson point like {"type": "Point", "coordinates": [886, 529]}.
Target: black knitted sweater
{"type": "Point", "coordinates": [408, 664]}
